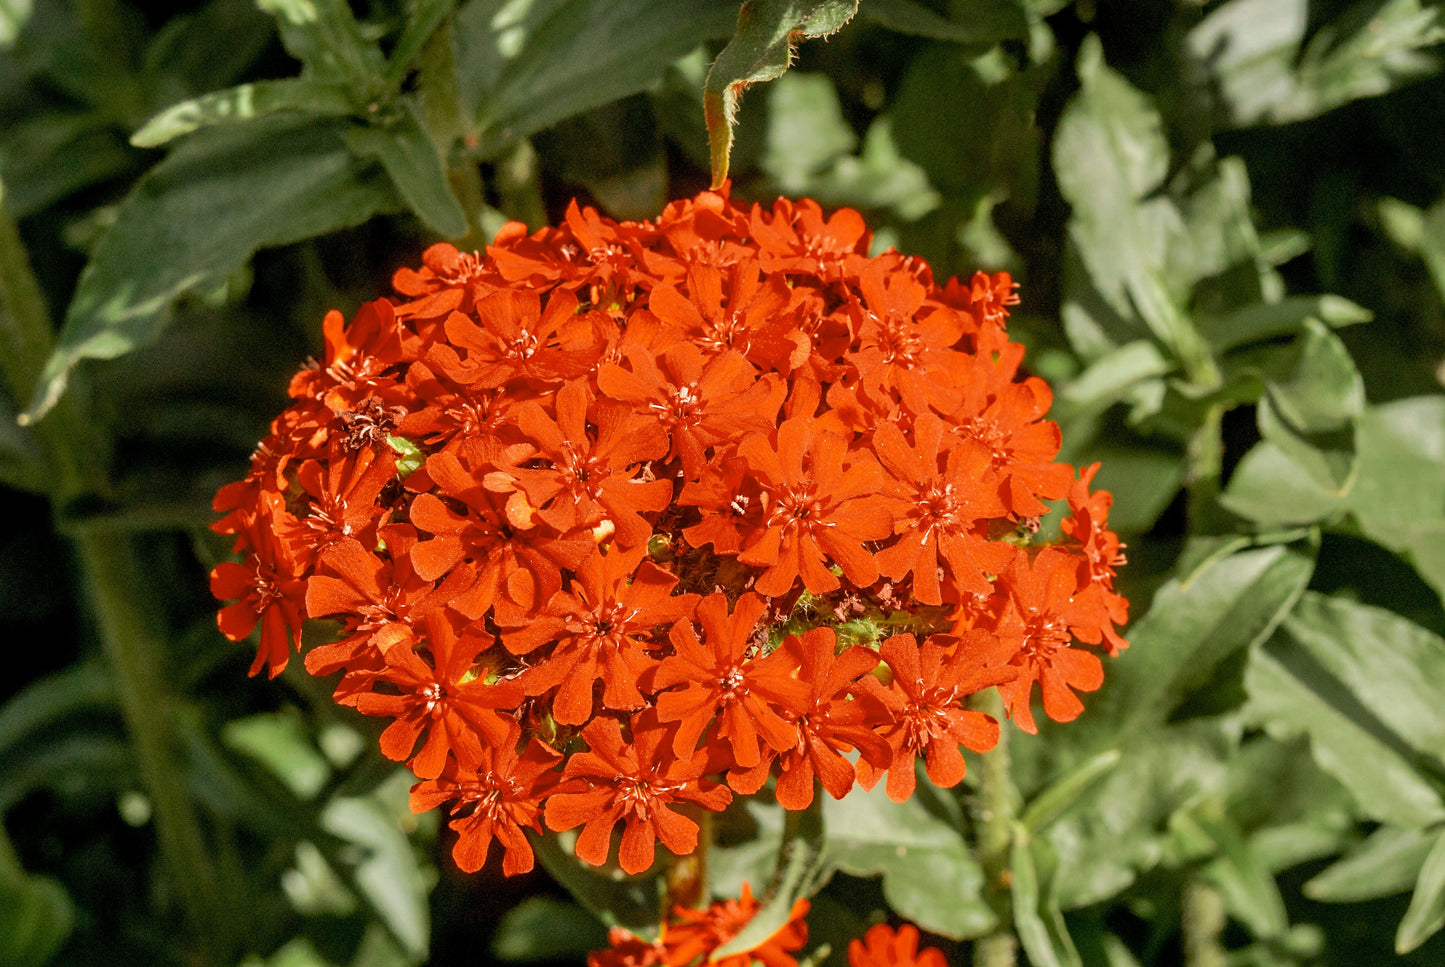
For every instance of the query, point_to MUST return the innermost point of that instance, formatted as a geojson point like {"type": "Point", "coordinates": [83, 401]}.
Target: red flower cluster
{"type": "Point", "coordinates": [625, 517]}
{"type": "Point", "coordinates": [693, 937]}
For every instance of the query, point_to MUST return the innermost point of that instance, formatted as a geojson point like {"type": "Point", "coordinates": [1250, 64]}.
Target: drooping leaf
{"type": "Point", "coordinates": [612, 896]}
{"type": "Point", "coordinates": [1249, 890]}
{"type": "Point", "coordinates": [1388, 861]}
{"type": "Point", "coordinates": [571, 55]}
{"type": "Point", "coordinates": [802, 869]}
{"type": "Point", "coordinates": [1358, 681]}
{"type": "Point", "coordinates": [323, 98]}
{"type": "Point", "coordinates": [1426, 914]}
{"type": "Point", "coordinates": [761, 49]}
{"type": "Point", "coordinates": [197, 217]}
{"type": "Point", "coordinates": [415, 167]}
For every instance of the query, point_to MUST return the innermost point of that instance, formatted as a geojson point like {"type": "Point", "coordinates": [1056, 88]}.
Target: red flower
{"type": "Point", "coordinates": [882, 946]}
{"type": "Point", "coordinates": [925, 698]}
{"type": "Point", "coordinates": [694, 934]}
{"type": "Point", "coordinates": [813, 491]}
{"type": "Point", "coordinates": [497, 795]}
{"type": "Point", "coordinates": [634, 783]}
{"type": "Point", "coordinates": [745, 694]}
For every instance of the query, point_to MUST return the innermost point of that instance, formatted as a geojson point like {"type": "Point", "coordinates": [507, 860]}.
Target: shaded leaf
{"type": "Point", "coordinates": [280, 741]}
{"type": "Point", "coordinates": [806, 130]}
{"type": "Point", "coordinates": [1261, 321]}
{"type": "Point", "coordinates": [1248, 887]}
{"type": "Point", "coordinates": [327, 99]}
{"type": "Point", "coordinates": [574, 55]}
{"type": "Point", "coordinates": [197, 217]}
{"type": "Point", "coordinates": [612, 896]}
{"type": "Point", "coordinates": [978, 22]}
{"type": "Point", "coordinates": [325, 37]}
{"type": "Point", "coordinates": [424, 17]}
{"type": "Point", "coordinates": [761, 49]}
{"type": "Point", "coordinates": [36, 917]}
{"type": "Point", "coordinates": [1388, 861]}
{"type": "Point", "coordinates": [44, 703]}
{"type": "Point", "coordinates": [544, 928]}
{"type": "Point", "coordinates": [1270, 488]}
{"type": "Point", "coordinates": [1056, 800]}
{"type": "Point", "coordinates": [802, 870]}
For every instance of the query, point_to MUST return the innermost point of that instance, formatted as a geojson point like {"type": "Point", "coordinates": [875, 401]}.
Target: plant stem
{"type": "Point", "coordinates": [1203, 469]}
{"type": "Point", "coordinates": [127, 618]}
{"type": "Point", "coordinates": [994, 809]}
{"type": "Point", "coordinates": [1203, 921]}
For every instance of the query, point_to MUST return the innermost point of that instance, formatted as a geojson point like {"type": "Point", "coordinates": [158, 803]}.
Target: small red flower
{"type": "Point", "coordinates": [882, 946]}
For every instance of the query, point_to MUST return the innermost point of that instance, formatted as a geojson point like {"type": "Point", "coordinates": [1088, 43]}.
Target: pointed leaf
{"type": "Point", "coordinates": [1054, 801]}
{"type": "Point", "coordinates": [197, 217]}
{"type": "Point", "coordinates": [1426, 914]}
{"type": "Point", "coordinates": [802, 870]}
{"type": "Point", "coordinates": [1037, 919]}
{"type": "Point", "coordinates": [1248, 887]}
{"type": "Point", "coordinates": [415, 167]}
{"type": "Point", "coordinates": [1364, 685]}
{"type": "Point", "coordinates": [242, 104]}
{"type": "Point", "coordinates": [761, 49]}
{"type": "Point", "coordinates": [36, 917]}
{"type": "Point", "coordinates": [1261, 321]}
{"type": "Point", "coordinates": [422, 20]}
{"type": "Point", "coordinates": [1386, 863]}
{"type": "Point", "coordinates": [325, 37]}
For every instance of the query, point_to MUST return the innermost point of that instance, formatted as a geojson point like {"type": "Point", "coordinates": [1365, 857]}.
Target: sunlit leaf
{"type": "Point", "coordinates": [244, 103]}
{"type": "Point", "coordinates": [1426, 914]}
{"type": "Point", "coordinates": [414, 165]}
{"type": "Point", "coordinates": [761, 49]}
{"type": "Point", "coordinates": [1388, 861]}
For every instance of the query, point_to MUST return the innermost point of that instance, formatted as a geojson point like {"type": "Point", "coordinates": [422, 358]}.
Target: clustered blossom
{"type": "Point", "coordinates": [617, 521]}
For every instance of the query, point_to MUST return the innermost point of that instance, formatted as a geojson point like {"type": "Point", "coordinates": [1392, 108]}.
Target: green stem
{"type": "Point", "coordinates": [994, 808]}
{"type": "Point", "coordinates": [1203, 919]}
{"type": "Point", "coordinates": [128, 619]}
{"type": "Point", "coordinates": [1203, 469]}
{"type": "Point", "coordinates": [130, 634]}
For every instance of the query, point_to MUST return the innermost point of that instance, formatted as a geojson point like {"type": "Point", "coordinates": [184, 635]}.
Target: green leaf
{"type": "Point", "coordinates": [1195, 622]}
{"type": "Point", "coordinates": [415, 167]}
{"type": "Point", "coordinates": [389, 875]}
{"type": "Point", "coordinates": [1271, 488]}
{"type": "Point", "coordinates": [1426, 914]}
{"type": "Point", "coordinates": [1248, 887]}
{"type": "Point", "coordinates": [977, 22]}
{"type": "Point", "coordinates": [423, 18]}
{"type": "Point", "coordinates": [1399, 494]}
{"type": "Point", "coordinates": [1108, 379]}
{"type": "Point", "coordinates": [53, 155]}
{"type": "Point", "coordinates": [280, 741]}
{"type": "Point", "coordinates": [1364, 685]}
{"type": "Point", "coordinates": [44, 703]}
{"type": "Point", "coordinates": [1252, 50]}
{"type": "Point", "coordinates": [1314, 386]}
{"type": "Point", "coordinates": [929, 874]}
{"type": "Point", "coordinates": [761, 49]}
{"type": "Point", "coordinates": [36, 917]}
{"type": "Point", "coordinates": [325, 37]}
{"type": "Point", "coordinates": [806, 130]}
{"type": "Point", "coordinates": [575, 55]}
{"type": "Point", "coordinates": [544, 928]}
{"type": "Point", "coordinates": [1037, 919]}
{"type": "Point", "coordinates": [323, 98]}
{"type": "Point", "coordinates": [197, 217]}
{"type": "Point", "coordinates": [1386, 863]}
{"type": "Point", "coordinates": [801, 871]}
{"type": "Point", "coordinates": [612, 896]}
{"type": "Point", "coordinates": [13, 16]}
{"type": "Point", "coordinates": [1111, 158]}
{"type": "Point", "coordinates": [1056, 800]}
{"type": "Point", "coordinates": [1262, 321]}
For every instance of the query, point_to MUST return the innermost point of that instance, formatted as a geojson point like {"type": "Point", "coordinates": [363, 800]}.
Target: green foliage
{"type": "Point", "coordinates": [1230, 192]}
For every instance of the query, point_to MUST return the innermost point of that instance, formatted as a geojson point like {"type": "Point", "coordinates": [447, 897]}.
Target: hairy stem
{"type": "Point", "coordinates": [994, 808]}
